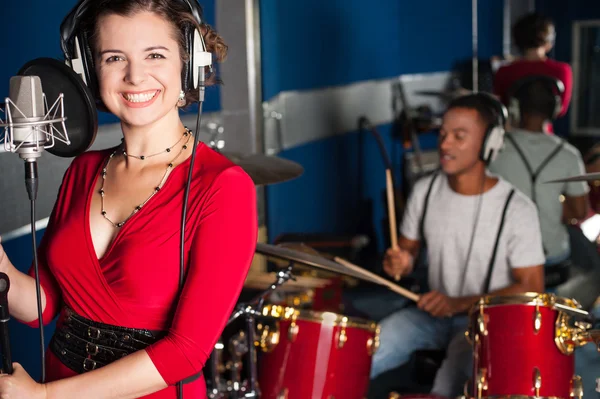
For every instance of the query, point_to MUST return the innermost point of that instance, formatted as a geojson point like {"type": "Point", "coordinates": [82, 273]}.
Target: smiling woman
{"type": "Point", "coordinates": [109, 264]}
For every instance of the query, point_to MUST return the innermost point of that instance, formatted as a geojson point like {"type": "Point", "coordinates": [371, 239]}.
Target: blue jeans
{"type": "Point", "coordinates": [411, 329]}
{"type": "Point", "coordinates": [587, 364]}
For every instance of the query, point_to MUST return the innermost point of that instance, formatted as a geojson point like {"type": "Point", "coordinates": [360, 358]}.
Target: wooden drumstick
{"type": "Point", "coordinates": [391, 212]}
{"type": "Point", "coordinates": [373, 277]}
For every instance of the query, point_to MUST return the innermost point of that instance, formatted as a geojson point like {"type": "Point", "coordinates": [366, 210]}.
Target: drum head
{"type": "Point", "coordinates": [528, 298]}
{"type": "Point", "coordinates": [289, 313]}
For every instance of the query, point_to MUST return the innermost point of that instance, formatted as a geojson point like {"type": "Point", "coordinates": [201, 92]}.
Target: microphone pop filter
{"type": "Point", "coordinates": [79, 104]}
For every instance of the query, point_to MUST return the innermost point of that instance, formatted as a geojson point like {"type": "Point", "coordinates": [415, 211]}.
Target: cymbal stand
{"type": "Point", "coordinates": [250, 310]}
{"type": "Point", "coordinates": [216, 387]}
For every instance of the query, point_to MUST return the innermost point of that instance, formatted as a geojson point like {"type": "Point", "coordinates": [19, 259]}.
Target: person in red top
{"type": "Point", "coordinates": [534, 36]}
{"type": "Point", "coordinates": [109, 259]}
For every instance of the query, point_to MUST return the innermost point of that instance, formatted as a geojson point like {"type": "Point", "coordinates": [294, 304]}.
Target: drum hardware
{"type": "Point", "coordinates": [268, 338]}
{"type": "Point", "coordinates": [481, 382]}
{"type": "Point", "coordinates": [216, 386]}
{"type": "Point", "coordinates": [568, 338]}
{"type": "Point", "coordinates": [537, 381]}
{"type": "Point", "coordinates": [537, 319]}
{"type": "Point", "coordinates": [293, 331]}
{"type": "Point", "coordinates": [577, 387]}
{"type": "Point", "coordinates": [244, 342]}
{"type": "Point", "coordinates": [238, 347]}
{"type": "Point", "coordinates": [342, 337]}
{"type": "Point", "coordinates": [373, 343]}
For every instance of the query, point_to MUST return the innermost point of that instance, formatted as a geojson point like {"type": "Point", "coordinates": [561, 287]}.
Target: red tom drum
{"type": "Point", "coordinates": [317, 355]}
{"type": "Point", "coordinates": [523, 346]}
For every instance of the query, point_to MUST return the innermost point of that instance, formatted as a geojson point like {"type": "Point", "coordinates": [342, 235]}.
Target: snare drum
{"type": "Point", "coordinates": [318, 355]}
{"type": "Point", "coordinates": [519, 347]}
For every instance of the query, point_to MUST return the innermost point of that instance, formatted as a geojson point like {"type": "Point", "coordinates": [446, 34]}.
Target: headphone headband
{"type": "Point", "coordinates": [555, 85]}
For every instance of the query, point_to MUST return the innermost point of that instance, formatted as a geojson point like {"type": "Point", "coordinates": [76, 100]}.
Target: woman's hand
{"type": "Point", "coordinates": [19, 385]}
{"type": "Point", "coordinates": [3, 257]}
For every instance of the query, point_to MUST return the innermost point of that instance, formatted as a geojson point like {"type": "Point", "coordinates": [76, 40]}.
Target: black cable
{"type": "Point", "coordinates": [31, 183]}
{"type": "Point", "coordinates": [475, 223]}
{"type": "Point", "coordinates": [186, 198]}
{"type": "Point", "coordinates": [38, 292]}
{"type": "Point", "coordinates": [364, 123]}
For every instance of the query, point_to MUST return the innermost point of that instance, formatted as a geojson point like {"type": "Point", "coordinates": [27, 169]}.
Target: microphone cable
{"type": "Point", "coordinates": [201, 90]}
{"type": "Point", "coordinates": [365, 124]}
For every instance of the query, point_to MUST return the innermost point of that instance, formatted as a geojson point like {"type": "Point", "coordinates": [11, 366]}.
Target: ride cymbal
{"type": "Point", "coordinates": [265, 169]}
{"type": "Point", "coordinates": [586, 177]}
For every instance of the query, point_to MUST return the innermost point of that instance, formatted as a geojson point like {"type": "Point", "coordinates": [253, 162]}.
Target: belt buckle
{"type": "Point", "coordinates": [91, 348]}
{"type": "Point", "coordinates": [93, 333]}
{"type": "Point", "coordinates": [91, 363]}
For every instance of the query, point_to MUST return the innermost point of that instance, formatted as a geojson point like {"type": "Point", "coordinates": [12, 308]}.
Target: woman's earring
{"type": "Point", "coordinates": [181, 102]}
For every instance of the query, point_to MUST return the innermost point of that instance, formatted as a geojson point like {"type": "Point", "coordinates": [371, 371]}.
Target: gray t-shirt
{"type": "Point", "coordinates": [448, 228]}
{"type": "Point", "coordinates": [567, 162]}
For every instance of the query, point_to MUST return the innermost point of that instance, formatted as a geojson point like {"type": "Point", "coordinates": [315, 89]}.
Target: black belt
{"type": "Point", "coordinates": [84, 345]}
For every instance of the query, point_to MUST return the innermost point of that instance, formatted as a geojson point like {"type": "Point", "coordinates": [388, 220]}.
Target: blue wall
{"type": "Point", "coordinates": [314, 44]}
{"type": "Point", "coordinates": [564, 13]}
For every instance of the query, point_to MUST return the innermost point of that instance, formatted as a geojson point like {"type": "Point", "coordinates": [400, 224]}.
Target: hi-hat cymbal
{"type": "Point", "coordinates": [586, 177]}
{"type": "Point", "coordinates": [265, 169]}
{"type": "Point", "coordinates": [310, 260]}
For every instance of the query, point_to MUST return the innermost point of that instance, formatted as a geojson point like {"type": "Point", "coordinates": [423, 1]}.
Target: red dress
{"type": "Point", "coordinates": [136, 282]}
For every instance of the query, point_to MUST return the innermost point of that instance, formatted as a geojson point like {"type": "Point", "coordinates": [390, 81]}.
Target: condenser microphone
{"type": "Point", "coordinates": [7, 366]}
{"type": "Point", "coordinates": [29, 125]}
{"type": "Point", "coordinates": [28, 98]}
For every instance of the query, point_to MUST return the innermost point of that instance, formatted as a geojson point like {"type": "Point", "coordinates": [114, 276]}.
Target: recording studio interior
{"type": "Point", "coordinates": [407, 205]}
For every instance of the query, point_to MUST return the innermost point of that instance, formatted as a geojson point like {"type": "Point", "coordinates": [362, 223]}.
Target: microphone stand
{"type": "Point", "coordinates": [7, 366]}
{"type": "Point", "coordinates": [250, 310]}
{"type": "Point", "coordinates": [31, 184]}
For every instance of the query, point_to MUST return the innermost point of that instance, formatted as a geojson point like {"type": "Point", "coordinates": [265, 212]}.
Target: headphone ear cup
{"type": "Point", "coordinates": [493, 143]}
{"type": "Point", "coordinates": [557, 106]}
{"type": "Point", "coordinates": [514, 111]}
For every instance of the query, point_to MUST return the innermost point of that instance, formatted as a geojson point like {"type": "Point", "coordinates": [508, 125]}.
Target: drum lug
{"type": "Point", "coordinates": [576, 387]}
{"type": "Point", "coordinates": [537, 381]}
{"type": "Point", "coordinates": [373, 343]}
{"type": "Point", "coordinates": [482, 384]}
{"type": "Point", "coordinates": [293, 331]}
{"type": "Point", "coordinates": [537, 319]}
{"type": "Point", "coordinates": [342, 338]}
{"type": "Point", "coordinates": [481, 319]}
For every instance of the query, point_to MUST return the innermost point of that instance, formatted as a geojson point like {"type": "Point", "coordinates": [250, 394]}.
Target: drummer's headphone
{"type": "Point", "coordinates": [555, 85]}
{"type": "Point", "coordinates": [493, 140]}
{"type": "Point", "coordinates": [75, 46]}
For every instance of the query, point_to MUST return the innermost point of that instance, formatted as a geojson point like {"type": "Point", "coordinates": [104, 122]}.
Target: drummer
{"type": "Point", "coordinates": [474, 225]}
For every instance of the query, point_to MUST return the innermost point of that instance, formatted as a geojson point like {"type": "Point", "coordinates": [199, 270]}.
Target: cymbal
{"type": "Point", "coordinates": [265, 169]}
{"type": "Point", "coordinates": [586, 177]}
{"type": "Point", "coordinates": [311, 260]}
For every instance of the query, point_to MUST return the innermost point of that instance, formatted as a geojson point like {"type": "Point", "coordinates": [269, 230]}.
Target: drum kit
{"type": "Point", "coordinates": [523, 345]}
